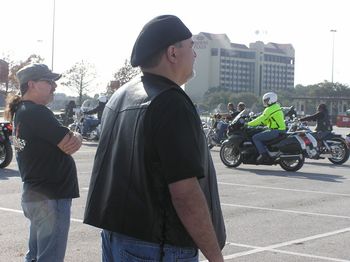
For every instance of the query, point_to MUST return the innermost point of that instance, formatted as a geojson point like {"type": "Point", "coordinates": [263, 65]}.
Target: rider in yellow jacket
{"type": "Point", "coordinates": [273, 118]}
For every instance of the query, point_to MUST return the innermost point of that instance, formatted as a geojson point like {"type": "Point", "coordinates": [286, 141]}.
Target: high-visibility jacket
{"type": "Point", "coordinates": [272, 117]}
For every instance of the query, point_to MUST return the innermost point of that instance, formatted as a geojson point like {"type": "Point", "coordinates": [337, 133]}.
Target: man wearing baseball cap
{"type": "Point", "coordinates": [153, 177]}
{"type": "Point", "coordinates": [43, 149]}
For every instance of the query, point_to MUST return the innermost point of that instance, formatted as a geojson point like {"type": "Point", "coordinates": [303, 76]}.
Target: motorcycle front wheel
{"type": "Point", "coordinates": [292, 165]}
{"type": "Point", "coordinates": [340, 153]}
{"type": "Point", "coordinates": [230, 155]}
{"type": "Point", "coordinates": [6, 154]}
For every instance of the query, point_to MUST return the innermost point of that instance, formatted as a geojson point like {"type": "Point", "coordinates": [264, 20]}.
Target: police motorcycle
{"type": "Point", "coordinates": [332, 146]}
{"type": "Point", "coordinates": [6, 152]}
{"type": "Point", "coordinates": [286, 150]}
{"type": "Point", "coordinates": [77, 126]}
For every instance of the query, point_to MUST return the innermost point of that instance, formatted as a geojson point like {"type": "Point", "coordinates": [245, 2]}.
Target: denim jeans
{"type": "Point", "coordinates": [261, 137]}
{"type": "Point", "coordinates": [49, 226]}
{"type": "Point", "coordinates": [222, 128]}
{"type": "Point", "coordinates": [119, 248]}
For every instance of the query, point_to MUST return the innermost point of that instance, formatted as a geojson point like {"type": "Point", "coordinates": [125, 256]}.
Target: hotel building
{"type": "Point", "coordinates": [258, 68]}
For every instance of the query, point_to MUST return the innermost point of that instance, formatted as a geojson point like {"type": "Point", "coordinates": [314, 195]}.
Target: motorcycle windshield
{"type": "Point", "coordinates": [238, 116]}
{"type": "Point", "coordinates": [88, 104]}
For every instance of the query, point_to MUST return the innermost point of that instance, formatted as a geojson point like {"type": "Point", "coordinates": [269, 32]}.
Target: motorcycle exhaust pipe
{"type": "Point", "coordinates": [290, 157]}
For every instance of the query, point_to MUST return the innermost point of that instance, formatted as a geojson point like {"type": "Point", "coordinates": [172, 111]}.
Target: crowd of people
{"type": "Point", "coordinates": [145, 202]}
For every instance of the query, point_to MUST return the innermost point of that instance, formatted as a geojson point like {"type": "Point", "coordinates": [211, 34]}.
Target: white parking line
{"type": "Point", "coordinates": [11, 210]}
{"type": "Point", "coordinates": [255, 249]}
{"type": "Point", "coordinates": [288, 252]}
{"type": "Point", "coordinates": [288, 243]}
{"type": "Point", "coordinates": [285, 210]}
{"type": "Point", "coordinates": [286, 189]}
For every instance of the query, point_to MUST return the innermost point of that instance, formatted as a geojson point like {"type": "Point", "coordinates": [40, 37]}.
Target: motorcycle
{"type": "Point", "coordinates": [6, 152]}
{"type": "Point", "coordinates": [210, 131]}
{"type": "Point", "coordinates": [329, 145]}
{"type": "Point", "coordinates": [286, 150]}
{"type": "Point", "coordinates": [80, 116]}
{"type": "Point", "coordinates": [77, 126]}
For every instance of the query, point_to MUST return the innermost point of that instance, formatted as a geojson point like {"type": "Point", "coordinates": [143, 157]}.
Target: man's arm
{"type": "Point", "coordinates": [192, 209]}
{"type": "Point", "coordinates": [70, 143]}
{"type": "Point", "coordinates": [313, 117]}
{"type": "Point", "coordinates": [259, 121]}
{"type": "Point", "coordinates": [94, 110]}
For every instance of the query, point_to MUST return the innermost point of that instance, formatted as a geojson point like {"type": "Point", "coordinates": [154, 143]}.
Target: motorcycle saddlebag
{"type": "Point", "coordinates": [290, 145]}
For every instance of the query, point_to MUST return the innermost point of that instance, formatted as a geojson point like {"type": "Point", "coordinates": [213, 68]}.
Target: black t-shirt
{"type": "Point", "coordinates": [173, 126]}
{"type": "Point", "coordinates": [46, 171]}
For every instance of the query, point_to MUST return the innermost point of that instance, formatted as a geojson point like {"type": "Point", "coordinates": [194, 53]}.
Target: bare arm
{"type": "Point", "coordinates": [313, 117]}
{"type": "Point", "coordinates": [191, 207]}
{"type": "Point", "coordinates": [70, 143]}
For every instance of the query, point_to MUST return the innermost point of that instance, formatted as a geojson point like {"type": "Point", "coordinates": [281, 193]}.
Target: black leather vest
{"type": "Point", "coordinates": [127, 194]}
{"type": "Point", "coordinates": [323, 123]}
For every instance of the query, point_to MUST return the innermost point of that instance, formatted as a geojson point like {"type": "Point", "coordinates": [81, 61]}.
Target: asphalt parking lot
{"type": "Point", "coordinates": [270, 214]}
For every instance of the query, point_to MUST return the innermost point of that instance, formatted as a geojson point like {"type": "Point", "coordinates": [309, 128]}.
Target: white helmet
{"type": "Point", "coordinates": [269, 98]}
{"type": "Point", "coordinates": [102, 98]}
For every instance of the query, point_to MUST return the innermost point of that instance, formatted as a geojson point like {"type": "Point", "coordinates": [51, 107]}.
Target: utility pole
{"type": "Point", "coordinates": [53, 33]}
{"type": "Point", "coordinates": [333, 31]}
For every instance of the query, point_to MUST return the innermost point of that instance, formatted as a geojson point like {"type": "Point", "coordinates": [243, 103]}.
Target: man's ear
{"type": "Point", "coordinates": [30, 84]}
{"type": "Point", "coordinates": [171, 54]}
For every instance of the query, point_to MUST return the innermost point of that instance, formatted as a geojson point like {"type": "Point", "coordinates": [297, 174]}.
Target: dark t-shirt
{"type": "Point", "coordinates": [173, 126]}
{"type": "Point", "coordinates": [46, 171]}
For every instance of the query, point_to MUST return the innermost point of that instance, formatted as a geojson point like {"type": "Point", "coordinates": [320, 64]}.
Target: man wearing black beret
{"type": "Point", "coordinates": [153, 177]}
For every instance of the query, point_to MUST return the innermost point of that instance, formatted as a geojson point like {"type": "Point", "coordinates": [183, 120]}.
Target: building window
{"type": "Point", "coordinates": [214, 52]}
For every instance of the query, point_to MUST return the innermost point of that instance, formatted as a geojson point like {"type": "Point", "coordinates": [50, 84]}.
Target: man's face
{"type": "Point", "coordinates": [186, 56]}
{"type": "Point", "coordinates": [240, 108]}
{"type": "Point", "coordinates": [44, 90]}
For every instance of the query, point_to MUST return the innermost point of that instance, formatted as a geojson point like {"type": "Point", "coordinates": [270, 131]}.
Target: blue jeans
{"type": "Point", "coordinates": [222, 128]}
{"type": "Point", "coordinates": [49, 226]}
{"type": "Point", "coordinates": [119, 248]}
{"type": "Point", "coordinates": [261, 137]}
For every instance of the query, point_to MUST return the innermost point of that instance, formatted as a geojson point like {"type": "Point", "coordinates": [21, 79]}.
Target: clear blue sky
{"type": "Point", "coordinates": [102, 32]}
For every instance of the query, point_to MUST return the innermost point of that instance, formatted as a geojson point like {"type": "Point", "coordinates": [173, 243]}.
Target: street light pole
{"type": "Point", "coordinates": [333, 31]}
{"type": "Point", "coordinates": [53, 33]}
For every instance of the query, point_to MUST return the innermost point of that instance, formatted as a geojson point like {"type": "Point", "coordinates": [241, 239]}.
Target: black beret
{"type": "Point", "coordinates": [157, 34]}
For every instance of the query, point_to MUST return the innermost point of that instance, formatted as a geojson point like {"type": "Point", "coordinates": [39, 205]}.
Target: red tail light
{"type": "Point", "coordinates": [306, 140]}
{"type": "Point", "coordinates": [9, 126]}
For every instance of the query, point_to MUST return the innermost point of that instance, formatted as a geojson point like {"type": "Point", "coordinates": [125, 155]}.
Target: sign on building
{"type": "Point", "coordinates": [4, 71]}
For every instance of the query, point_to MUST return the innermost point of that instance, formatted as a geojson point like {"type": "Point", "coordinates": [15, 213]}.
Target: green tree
{"type": "Point", "coordinates": [217, 95]}
{"type": "Point", "coordinates": [79, 78]}
{"type": "Point", "coordinates": [14, 67]}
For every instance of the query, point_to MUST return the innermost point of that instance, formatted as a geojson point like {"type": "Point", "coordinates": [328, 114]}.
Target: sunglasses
{"type": "Point", "coordinates": [49, 81]}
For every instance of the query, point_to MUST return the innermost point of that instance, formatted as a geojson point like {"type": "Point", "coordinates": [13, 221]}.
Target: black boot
{"type": "Point", "coordinates": [262, 158]}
